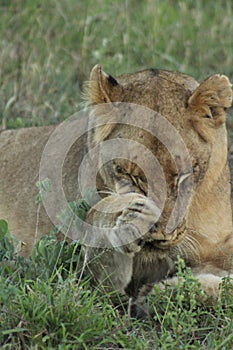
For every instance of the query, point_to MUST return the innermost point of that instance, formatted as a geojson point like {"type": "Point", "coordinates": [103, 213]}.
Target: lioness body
{"type": "Point", "coordinates": [20, 157]}
{"type": "Point", "coordinates": [205, 238]}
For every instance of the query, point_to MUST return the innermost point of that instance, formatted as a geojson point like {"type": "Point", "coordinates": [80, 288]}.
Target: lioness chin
{"type": "Point", "coordinates": [203, 238]}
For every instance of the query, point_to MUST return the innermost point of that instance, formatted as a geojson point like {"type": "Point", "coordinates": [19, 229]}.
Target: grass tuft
{"type": "Point", "coordinates": [45, 305]}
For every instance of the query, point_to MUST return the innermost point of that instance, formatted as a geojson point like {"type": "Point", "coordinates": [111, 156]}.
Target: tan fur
{"type": "Point", "coordinates": [20, 156]}
{"type": "Point", "coordinates": [204, 240]}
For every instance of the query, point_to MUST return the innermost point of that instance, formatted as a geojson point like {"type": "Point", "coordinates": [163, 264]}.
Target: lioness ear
{"type": "Point", "coordinates": [208, 103]}
{"type": "Point", "coordinates": [102, 87]}
{"type": "Point", "coordinates": [211, 97]}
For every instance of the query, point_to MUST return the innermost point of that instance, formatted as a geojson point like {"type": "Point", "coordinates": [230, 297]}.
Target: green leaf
{"type": "Point", "coordinates": [14, 330]}
{"type": "Point", "coordinates": [44, 186]}
{"type": "Point", "coordinates": [3, 228]}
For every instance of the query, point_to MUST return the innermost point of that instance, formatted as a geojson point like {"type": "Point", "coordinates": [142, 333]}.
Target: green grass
{"type": "Point", "coordinates": [47, 49]}
{"type": "Point", "coordinates": [46, 305]}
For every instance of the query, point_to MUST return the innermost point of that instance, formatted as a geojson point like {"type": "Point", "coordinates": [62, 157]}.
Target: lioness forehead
{"type": "Point", "coordinates": [152, 88]}
{"type": "Point", "coordinates": [163, 77]}
{"type": "Point", "coordinates": [159, 90]}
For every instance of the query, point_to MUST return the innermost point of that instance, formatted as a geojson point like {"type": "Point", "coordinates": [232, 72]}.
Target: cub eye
{"type": "Point", "coordinates": [119, 169]}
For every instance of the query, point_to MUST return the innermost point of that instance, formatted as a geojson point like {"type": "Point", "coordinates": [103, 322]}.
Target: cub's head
{"type": "Point", "coordinates": [174, 141]}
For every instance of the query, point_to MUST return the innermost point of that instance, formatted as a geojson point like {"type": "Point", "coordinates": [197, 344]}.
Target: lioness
{"type": "Point", "coordinates": [204, 236]}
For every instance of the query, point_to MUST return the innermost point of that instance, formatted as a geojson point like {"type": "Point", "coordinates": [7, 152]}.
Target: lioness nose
{"type": "Point", "coordinates": [158, 232]}
{"type": "Point", "coordinates": [154, 228]}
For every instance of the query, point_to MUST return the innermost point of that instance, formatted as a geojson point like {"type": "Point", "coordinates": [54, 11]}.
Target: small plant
{"type": "Point", "coordinates": [7, 242]}
{"type": "Point", "coordinates": [76, 211]}
{"type": "Point", "coordinates": [44, 186]}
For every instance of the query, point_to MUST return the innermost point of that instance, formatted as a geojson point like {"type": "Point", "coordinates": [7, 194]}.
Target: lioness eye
{"type": "Point", "coordinates": [182, 177]}
{"type": "Point", "coordinates": [208, 116]}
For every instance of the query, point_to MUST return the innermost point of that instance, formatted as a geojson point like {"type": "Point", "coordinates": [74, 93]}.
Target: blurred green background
{"type": "Point", "coordinates": [47, 48]}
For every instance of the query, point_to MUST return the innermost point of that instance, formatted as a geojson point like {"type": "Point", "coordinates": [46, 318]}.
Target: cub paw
{"type": "Point", "coordinates": [136, 222]}
{"type": "Point", "coordinates": [142, 213]}
{"type": "Point", "coordinates": [128, 219]}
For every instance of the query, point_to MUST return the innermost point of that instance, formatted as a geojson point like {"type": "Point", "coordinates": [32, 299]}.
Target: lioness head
{"type": "Point", "coordinates": [198, 113]}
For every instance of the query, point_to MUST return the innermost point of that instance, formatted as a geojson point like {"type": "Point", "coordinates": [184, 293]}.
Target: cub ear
{"type": "Point", "coordinates": [102, 87]}
{"type": "Point", "coordinates": [208, 103]}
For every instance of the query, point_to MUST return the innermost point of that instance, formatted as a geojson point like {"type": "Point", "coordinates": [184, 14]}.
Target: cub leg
{"type": "Point", "coordinates": [111, 270]}
{"type": "Point", "coordinates": [110, 253]}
